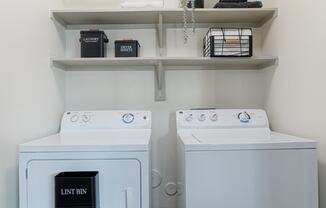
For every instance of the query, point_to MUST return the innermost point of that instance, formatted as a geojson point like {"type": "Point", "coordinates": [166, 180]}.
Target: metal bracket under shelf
{"type": "Point", "coordinates": [160, 30]}
{"type": "Point", "coordinates": [55, 65]}
{"type": "Point", "coordinates": [57, 20]}
{"type": "Point", "coordinates": [159, 82]}
{"type": "Point", "coordinates": [268, 19]}
{"type": "Point", "coordinates": [159, 73]}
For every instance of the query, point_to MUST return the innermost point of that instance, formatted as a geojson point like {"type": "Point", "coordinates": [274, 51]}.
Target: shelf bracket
{"type": "Point", "coordinates": [272, 63]}
{"type": "Point", "coordinates": [159, 76]}
{"type": "Point", "coordinates": [57, 20]}
{"type": "Point", "coordinates": [54, 65]}
{"type": "Point", "coordinates": [160, 32]}
{"type": "Point", "coordinates": [268, 19]}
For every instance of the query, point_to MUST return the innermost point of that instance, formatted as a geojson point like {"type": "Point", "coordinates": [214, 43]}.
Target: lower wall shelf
{"type": "Point", "coordinates": [170, 63]}
{"type": "Point", "coordinates": [161, 64]}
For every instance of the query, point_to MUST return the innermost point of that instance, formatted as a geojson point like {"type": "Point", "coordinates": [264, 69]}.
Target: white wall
{"type": "Point", "coordinates": [296, 96]}
{"type": "Point", "coordinates": [31, 94]}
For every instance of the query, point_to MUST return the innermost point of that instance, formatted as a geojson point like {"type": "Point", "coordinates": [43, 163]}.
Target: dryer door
{"type": "Point", "coordinates": [119, 181]}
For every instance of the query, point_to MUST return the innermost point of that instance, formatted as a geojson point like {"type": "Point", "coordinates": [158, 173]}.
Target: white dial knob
{"type": "Point", "coordinates": [189, 118]}
{"type": "Point", "coordinates": [213, 117]}
{"type": "Point", "coordinates": [74, 118]}
{"type": "Point", "coordinates": [128, 118]}
{"type": "Point", "coordinates": [202, 117]}
{"type": "Point", "coordinates": [86, 118]}
{"type": "Point", "coordinates": [244, 117]}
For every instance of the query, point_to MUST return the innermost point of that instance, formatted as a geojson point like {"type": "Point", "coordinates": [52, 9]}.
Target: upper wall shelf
{"type": "Point", "coordinates": [248, 17]}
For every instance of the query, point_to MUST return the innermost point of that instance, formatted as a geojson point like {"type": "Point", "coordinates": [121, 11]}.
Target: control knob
{"type": "Point", "coordinates": [86, 118]}
{"type": "Point", "coordinates": [189, 118]}
{"type": "Point", "coordinates": [202, 117]}
{"type": "Point", "coordinates": [244, 117]}
{"type": "Point", "coordinates": [128, 118]}
{"type": "Point", "coordinates": [74, 118]}
{"type": "Point", "coordinates": [213, 117]}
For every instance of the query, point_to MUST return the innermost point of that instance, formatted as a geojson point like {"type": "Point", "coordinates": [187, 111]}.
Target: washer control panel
{"type": "Point", "coordinates": [218, 118]}
{"type": "Point", "coordinates": [101, 120]}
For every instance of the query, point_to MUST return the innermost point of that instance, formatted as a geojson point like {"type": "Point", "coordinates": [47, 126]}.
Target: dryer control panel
{"type": "Point", "coordinates": [218, 118]}
{"type": "Point", "coordinates": [102, 120]}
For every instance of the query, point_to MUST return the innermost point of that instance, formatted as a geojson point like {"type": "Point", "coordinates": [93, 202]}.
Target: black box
{"type": "Point", "coordinates": [233, 1]}
{"type": "Point", "coordinates": [76, 190]}
{"type": "Point", "coordinates": [253, 4]}
{"type": "Point", "coordinates": [93, 43]}
{"type": "Point", "coordinates": [127, 48]}
{"type": "Point", "coordinates": [198, 4]}
{"type": "Point", "coordinates": [228, 42]}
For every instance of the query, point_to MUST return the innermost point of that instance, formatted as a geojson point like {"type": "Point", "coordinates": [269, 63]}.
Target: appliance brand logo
{"type": "Point", "coordinates": [126, 48]}
{"type": "Point", "coordinates": [73, 191]}
{"type": "Point", "coordinates": [91, 40]}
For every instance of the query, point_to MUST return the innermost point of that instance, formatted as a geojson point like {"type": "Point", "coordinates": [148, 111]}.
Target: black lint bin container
{"type": "Point", "coordinates": [93, 44]}
{"type": "Point", "coordinates": [77, 190]}
{"type": "Point", "coordinates": [127, 48]}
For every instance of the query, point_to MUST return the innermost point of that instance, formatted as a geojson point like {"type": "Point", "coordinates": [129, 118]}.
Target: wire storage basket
{"type": "Point", "coordinates": [228, 42]}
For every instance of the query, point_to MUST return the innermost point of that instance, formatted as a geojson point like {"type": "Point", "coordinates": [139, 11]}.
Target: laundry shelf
{"type": "Point", "coordinates": [235, 63]}
{"type": "Point", "coordinates": [246, 16]}
{"type": "Point", "coordinates": [161, 20]}
{"type": "Point", "coordinates": [169, 63]}
{"type": "Point", "coordinates": [161, 64]}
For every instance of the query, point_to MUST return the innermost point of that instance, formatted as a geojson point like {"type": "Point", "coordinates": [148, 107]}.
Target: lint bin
{"type": "Point", "coordinates": [127, 48]}
{"type": "Point", "coordinates": [93, 44]}
{"type": "Point", "coordinates": [77, 190]}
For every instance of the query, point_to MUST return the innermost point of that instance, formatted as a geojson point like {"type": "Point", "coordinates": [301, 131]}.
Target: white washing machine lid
{"type": "Point", "coordinates": [210, 140]}
{"type": "Point", "coordinates": [111, 140]}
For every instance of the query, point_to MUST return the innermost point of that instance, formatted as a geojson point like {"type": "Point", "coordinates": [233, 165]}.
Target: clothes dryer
{"type": "Point", "coordinates": [116, 144]}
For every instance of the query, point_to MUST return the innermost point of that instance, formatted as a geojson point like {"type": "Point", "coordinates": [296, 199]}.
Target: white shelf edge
{"type": "Point", "coordinates": [169, 63]}
{"type": "Point", "coordinates": [207, 15]}
{"type": "Point", "coordinates": [72, 10]}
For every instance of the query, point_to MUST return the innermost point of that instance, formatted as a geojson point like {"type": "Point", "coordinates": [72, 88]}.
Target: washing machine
{"type": "Point", "coordinates": [114, 144]}
{"type": "Point", "coordinates": [230, 158]}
